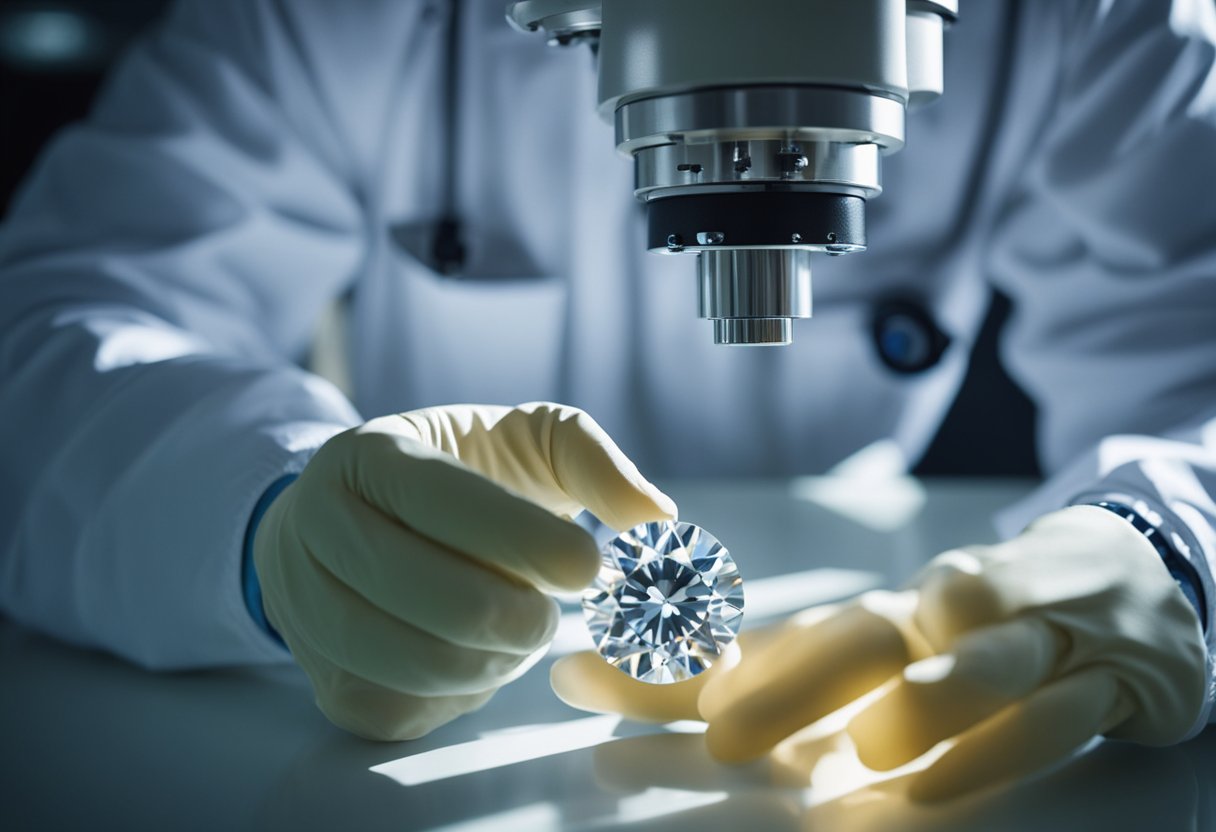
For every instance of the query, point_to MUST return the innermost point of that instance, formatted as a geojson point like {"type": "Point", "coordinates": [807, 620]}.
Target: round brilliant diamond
{"type": "Point", "coordinates": [667, 601]}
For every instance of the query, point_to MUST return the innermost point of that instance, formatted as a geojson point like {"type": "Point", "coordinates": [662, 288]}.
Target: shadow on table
{"type": "Point", "coordinates": [1114, 786]}
{"type": "Point", "coordinates": [89, 738]}
{"type": "Point", "coordinates": [668, 782]}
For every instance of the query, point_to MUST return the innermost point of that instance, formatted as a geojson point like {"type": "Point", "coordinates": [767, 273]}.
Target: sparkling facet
{"type": "Point", "coordinates": [667, 601]}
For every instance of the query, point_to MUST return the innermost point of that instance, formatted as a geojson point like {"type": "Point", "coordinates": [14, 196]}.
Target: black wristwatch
{"type": "Point", "coordinates": [1182, 571]}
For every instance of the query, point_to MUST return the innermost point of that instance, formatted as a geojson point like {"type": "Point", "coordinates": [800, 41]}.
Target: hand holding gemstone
{"type": "Point", "coordinates": [410, 565]}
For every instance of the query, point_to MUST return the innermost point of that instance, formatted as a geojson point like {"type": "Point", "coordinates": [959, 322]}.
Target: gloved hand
{"type": "Point", "coordinates": [407, 568]}
{"type": "Point", "coordinates": [1021, 652]}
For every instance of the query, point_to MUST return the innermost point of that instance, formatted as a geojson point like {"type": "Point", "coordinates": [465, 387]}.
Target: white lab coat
{"type": "Point", "coordinates": [165, 269]}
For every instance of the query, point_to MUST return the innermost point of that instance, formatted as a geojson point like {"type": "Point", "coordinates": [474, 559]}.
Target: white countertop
{"type": "Point", "coordinates": [90, 742]}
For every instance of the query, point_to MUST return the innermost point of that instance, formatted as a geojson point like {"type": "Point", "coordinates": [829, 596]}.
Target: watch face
{"type": "Point", "coordinates": [906, 337]}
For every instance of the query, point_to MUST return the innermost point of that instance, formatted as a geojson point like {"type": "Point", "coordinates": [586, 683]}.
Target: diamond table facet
{"type": "Point", "coordinates": [667, 601]}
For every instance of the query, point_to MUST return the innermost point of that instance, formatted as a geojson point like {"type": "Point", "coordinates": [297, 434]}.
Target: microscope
{"type": "Point", "coordinates": [757, 129]}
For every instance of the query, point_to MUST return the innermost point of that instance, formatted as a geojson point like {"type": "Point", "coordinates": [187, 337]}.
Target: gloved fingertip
{"type": "Point", "coordinates": [664, 503]}
{"type": "Point", "coordinates": [719, 688]}
{"type": "Point", "coordinates": [579, 573]}
{"type": "Point", "coordinates": [576, 680]}
{"type": "Point", "coordinates": [564, 678]}
{"type": "Point", "coordinates": [559, 681]}
{"type": "Point", "coordinates": [872, 746]}
{"type": "Point", "coordinates": [961, 772]}
{"type": "Point", "coordinates": [927, 788]}
{"type": "Point", "coordinates": [576, 564]}
{"type": "Point", "coordinates": [727, 744]}
{"type": "Point", "coordinates": [553, 620]}
{"type": "Point", "coordinates": [644, 504]}
{"type": "Point", "coordinates": [932, 670]}
{"type": "Point", "coordinates": [711, 702]}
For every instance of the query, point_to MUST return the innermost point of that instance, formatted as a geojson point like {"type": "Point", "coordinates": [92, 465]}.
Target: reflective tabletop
{"type": "Point", "coordinates": [89, 741]}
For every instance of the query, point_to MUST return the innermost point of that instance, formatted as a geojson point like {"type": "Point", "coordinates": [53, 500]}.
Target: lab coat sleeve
{"type": "Point", "coordinates": [160, 276]}
{"type": "Point", "coordinates": [1109, 250]}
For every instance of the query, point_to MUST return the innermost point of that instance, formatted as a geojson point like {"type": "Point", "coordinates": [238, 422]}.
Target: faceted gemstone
{"type": "Point", "coordinates": [667, 601]}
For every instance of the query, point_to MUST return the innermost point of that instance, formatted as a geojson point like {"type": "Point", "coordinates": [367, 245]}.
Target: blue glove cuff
{"type": "Point", "coordinates": [1180, 569]}
{"type": "Point", "coordinates": [250, 585]}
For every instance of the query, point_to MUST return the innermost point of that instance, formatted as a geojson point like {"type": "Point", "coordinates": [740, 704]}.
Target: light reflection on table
{"type": "Point", "coordinates": [89, 740]}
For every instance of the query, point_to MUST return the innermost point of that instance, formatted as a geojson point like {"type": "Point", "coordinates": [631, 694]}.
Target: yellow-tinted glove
{"type": "Point", "coordinates": [407, 567]}
{"type": "Point", "coordinates": [1021, 652]}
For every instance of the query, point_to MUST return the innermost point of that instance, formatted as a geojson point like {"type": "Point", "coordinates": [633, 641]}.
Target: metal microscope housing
{"type": "Point", "coordinates": [757, 129]}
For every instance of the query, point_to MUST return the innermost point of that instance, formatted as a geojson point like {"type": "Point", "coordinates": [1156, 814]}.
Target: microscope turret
{"type": "Point", "coordinates": [757, 129]}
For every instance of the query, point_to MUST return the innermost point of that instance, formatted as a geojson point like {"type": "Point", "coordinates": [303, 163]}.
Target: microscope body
{"type": "Point", "coordinates": [757, 130]}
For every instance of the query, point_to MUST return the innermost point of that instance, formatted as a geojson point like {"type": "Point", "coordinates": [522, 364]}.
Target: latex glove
{"type": "Point", "coordinates": [407, 568]}
{"type": "Point", "coordinates": [1020, 652]}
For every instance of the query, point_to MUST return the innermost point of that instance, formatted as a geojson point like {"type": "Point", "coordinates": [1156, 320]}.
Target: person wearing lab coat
{"type": "Point", "coordinates": [182, 490]}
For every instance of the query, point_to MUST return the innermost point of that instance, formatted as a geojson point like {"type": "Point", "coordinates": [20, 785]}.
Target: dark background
{"type": "Point", "coordinates": [54, 55]}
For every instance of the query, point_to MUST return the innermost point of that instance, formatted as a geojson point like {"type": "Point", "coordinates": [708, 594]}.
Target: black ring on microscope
{"type": "Point", "coordinates": [758, 218]}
